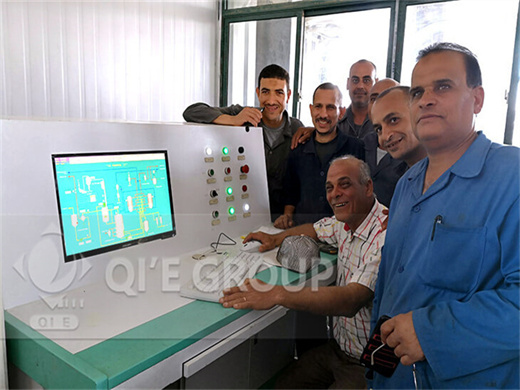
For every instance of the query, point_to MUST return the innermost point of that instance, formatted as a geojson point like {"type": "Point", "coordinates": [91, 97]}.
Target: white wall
{"type": "Point", "coordinates": [112, 60]}
{"type": "Point", "coordinates": [106, 60]}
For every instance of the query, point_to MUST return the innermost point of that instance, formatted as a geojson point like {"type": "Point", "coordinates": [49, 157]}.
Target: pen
{"type": "Point", "coordinates": [436, 221]}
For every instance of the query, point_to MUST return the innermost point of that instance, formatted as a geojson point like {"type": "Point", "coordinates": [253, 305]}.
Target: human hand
{"type": "Point", "coordinates": [384, 225]}
{"type": "Point", "coordinates": [248, 114]}
{"type": "Point", "coordinates": [268, 240]}
{"type": "Point", "coordinates": [399, 333]}
{"type": "Point", "coordinates": [284, 221]}
{"type": "Point", "coordinates": [253, 294]}
{"type": "Point", "coordinates": [301, 136]}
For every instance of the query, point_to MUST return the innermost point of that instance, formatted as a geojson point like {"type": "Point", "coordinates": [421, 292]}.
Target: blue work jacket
{"type": "Point", "coordinates": [451, 257]}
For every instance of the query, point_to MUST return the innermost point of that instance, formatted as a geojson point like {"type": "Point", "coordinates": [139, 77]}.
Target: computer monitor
{"type": "Point", "coordinates": [108, 201]}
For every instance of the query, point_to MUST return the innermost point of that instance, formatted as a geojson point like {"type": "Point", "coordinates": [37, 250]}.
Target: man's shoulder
{"type": "Point", "coordinates": [350, 140]}
{"type": "Point", "coordinates": [327, 223]}
{"type": "Point", "coordinates": [347, 118]}
{"type": "Point", "coordinates": [505, 153]}
{"type": "Point", "coordinates": [293, 123]}
{"type": "Point", "coordinates": [503, 161]}
{"type": "Point", "coordinates": [378, 215]}
{"type": "Point", "coordinates": [485, 158]}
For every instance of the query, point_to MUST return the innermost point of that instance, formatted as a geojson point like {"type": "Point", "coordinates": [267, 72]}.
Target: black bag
{"type": "Point", "coordinates": [378, 356]}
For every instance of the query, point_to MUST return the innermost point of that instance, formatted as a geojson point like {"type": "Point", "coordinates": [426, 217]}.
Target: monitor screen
{"type": "Point", "coordinates": [108, 201]}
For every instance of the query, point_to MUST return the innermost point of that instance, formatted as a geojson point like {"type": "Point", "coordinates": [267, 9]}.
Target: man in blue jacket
{"type": "Point", "coordinates": [449, 275]}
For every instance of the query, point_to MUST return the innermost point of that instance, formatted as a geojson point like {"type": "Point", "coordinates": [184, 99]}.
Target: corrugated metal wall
{"type": "Point", "coordinates": [110, 60]}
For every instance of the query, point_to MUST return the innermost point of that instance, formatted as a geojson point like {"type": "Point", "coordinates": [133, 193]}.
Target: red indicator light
{"type": "Point", "coordinates": [244, 169]}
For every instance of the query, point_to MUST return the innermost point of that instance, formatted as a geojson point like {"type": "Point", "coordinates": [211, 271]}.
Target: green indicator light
{"type": "Point", "coordinates": [231, 211]}
{"type": "Point", "coordinates": [229, 190]}
{"type": "Point", "coordinates": [225, 151]}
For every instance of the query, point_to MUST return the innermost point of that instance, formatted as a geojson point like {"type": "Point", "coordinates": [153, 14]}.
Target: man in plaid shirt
{"type": "Point", "coordinates": [357, 230]}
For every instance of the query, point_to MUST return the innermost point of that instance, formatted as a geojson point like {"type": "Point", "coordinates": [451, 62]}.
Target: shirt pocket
{"type": "Point", "coordinates": [454, 257]}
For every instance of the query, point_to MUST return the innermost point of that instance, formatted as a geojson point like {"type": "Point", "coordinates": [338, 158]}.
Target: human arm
{"type": "Point", "coordinates": [234, 115]}
{"type": "Point", "coordinates": [285, 221]}
{"type": "Point", "coordinates": [290, 191]}
{"type": "Point", "coordinates": [485, 325]}
{"type": "Point", "coordinates": [385, 222]}
{"type": "Point", "coordinates": [247, 115]}
{"type": "Point", "coordinates": [330, 300]}
{"type": "Point", "coordinates": [270, 241]}
{"type": "Point", "coordinates": [301, 136]}
{"type": "Point", "coordinates": [355, 292]}
{"type": "Point", "coordinates": [466, 319]}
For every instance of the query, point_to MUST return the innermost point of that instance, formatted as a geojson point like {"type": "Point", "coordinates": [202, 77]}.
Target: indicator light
{"type": "Point", "coordinates": [211, 172]}
{"type": "Point", "coordinates": [227, 170]}
{"type": "Point", "coordinates": [213, 193]}
{"type": "Point", "coordinates": [231, 211]}
{"type": "Point", "coordinates": [208, 151]}
{"type": "Point", "coordinates": [215, 214]}
{"type": "Point", "coordinates": [244, 168]}
{"type": "Point", "coordinates": [244, 188]}
{"type": "Point", "coordinates": [246, 207]}
{"type": "Point", "coordinates": [240, 149]}
{"type": "Point", "coordinates": [225, 151]}
{"type": "Point", "coordinates": [229, 190]}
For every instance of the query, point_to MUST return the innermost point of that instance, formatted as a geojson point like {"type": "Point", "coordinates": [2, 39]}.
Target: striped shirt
{"type": "Point", "coordinates": [359, 254]}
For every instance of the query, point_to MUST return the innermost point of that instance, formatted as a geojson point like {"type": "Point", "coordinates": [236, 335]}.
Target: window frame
{"type": "Point", "coordinates": [309, 8]}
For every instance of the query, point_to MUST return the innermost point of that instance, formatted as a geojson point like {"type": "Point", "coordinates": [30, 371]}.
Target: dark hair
{"type": "Point", "coordinates": [330, 87]}
{"type": "Point", "coordinates": [403, 88]}
{"type": "Point", "coordinates": [274, 71]}
{"type": "Point", "coordinates": [473, 74]}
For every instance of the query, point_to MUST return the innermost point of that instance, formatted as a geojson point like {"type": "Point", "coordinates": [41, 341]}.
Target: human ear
{"type": "Point", "coordinates": [479, 99]}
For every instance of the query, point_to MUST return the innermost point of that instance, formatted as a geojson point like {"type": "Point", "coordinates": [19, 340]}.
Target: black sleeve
{"type": "Point", "coordinates": [203, 113]}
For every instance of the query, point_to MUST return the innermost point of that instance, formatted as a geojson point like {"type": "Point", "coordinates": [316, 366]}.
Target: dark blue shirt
{"type": "Point", "coordinates": [304, 184]}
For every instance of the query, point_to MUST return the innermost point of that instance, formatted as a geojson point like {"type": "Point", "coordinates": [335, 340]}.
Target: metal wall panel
{"type": "Point", "coordinates": [117, 60]}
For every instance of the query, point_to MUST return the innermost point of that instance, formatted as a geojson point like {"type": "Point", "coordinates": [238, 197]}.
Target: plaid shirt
{"type": "Point", "coordinates": [359, 255]}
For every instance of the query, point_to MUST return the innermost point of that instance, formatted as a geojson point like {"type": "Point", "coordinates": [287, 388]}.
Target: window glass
{"type": "Point", "coordinates": [253, 3]}
{"type": "Point", "coordinates": [332, 43]}
{"type": "Point", "coordinates": [487, 28]}
{"type": "Point", "coordinates": [254, 45]}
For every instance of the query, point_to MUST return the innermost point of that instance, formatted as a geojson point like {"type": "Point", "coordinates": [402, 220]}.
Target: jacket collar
{"type": "Point", "coordinates": [468, 166]}
{"type": "Point", "coordinates": [349, 117]}
{"type": "Point", "coordinates": [310, 147]}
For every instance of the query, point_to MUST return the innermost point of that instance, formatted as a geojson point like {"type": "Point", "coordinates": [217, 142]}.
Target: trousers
{"type": "Point", "coordinates": [323, 367]}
